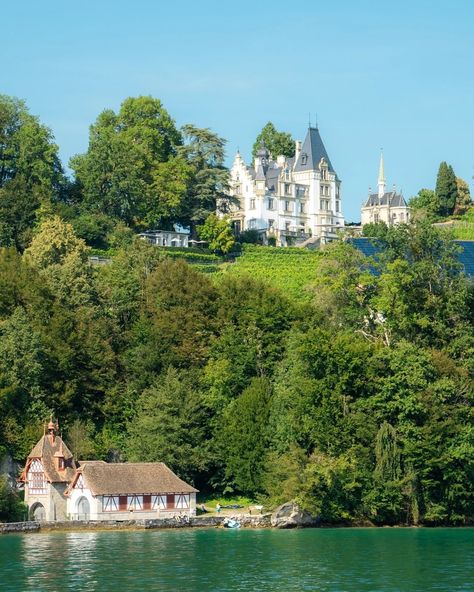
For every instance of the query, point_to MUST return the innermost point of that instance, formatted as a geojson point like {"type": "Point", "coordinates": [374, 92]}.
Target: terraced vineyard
{"type": "Point", "coordinates": [290, 269]}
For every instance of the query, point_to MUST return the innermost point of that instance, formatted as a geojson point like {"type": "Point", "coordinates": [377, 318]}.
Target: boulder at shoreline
{"type": "Point", "coordinates": [291, 515]}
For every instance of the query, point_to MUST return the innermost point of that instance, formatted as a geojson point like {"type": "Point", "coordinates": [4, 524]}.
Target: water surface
{"type": "Point", "coordinates": [326, 560]}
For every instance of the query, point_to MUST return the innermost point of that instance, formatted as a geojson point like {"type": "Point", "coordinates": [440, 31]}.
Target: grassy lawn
{"type": "Point", "coordinates": [210, 503]}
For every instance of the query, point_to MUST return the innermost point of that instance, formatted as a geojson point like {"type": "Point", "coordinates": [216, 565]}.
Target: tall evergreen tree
{"type": "Point", "coordinates": [446, 189]}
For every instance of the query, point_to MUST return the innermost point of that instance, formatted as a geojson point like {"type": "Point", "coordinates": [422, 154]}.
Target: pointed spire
{"type": "Point", "coordinates": [381, 182]}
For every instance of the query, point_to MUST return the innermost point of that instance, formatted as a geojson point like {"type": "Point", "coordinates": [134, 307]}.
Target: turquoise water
{"type": "Point", "coordinates": [385, 560]}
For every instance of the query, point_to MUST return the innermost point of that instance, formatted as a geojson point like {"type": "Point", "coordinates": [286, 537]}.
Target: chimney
{"type": "Point", "coordinates": [297, 149]}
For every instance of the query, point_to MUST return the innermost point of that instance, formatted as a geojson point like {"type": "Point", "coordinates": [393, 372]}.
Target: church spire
{"type": "Point", "coordinates": [381, 182]}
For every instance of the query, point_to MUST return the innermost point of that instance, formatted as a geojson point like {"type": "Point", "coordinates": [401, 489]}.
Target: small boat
{"type": "Point", "coordinates": [231, 523]}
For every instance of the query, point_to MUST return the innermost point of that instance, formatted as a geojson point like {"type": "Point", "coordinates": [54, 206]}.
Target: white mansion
{"type": "Point", "coordinates": [292, 200]}
{"type": "Point", "coordinates": [385, 206]}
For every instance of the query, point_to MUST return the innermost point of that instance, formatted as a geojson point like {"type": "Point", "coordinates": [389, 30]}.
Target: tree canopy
{"type": "Point", "coordinates": [278, 143]}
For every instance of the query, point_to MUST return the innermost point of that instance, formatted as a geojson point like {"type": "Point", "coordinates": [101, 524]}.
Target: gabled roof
{"type": "Point", "coordinates": [47, 449]}
{"type": "Point", "coordinates": [311, 153]}
{"type": "Point", "coordinates": [391, 198]}
{"type": "Point", "coordinates": [131, 478]}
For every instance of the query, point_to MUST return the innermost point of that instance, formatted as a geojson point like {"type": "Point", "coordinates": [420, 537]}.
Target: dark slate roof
{"type": "Point", "coordinates": [272, 176]}
{"type": "Point", "coordinates": [314, 150]}
{"type": "Point", "coordinates": [47, 449]}
{"type": "Point", "coordinates": [369, 248]}
{"type": "Point", "coordinates": [131, 478]}
{"type": "Point", "coordinates": [392, 198]}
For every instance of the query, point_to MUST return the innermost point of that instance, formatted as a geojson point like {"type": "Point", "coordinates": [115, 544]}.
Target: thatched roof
{"type": "Point", "coordinates": [48, 449]}
{"type": "Point", "coordinates": [131, 478]}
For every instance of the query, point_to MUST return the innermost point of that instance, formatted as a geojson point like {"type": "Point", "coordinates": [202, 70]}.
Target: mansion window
{"type": "Point", "coordinates": [302, 207]}
{"type": "Point", "coordinates": [271, 224]}
{"type": "Point", "coordinates": [324, 205]}
{"type": "Point", "coordinates": [304, 158]}
{"type": "Point", "coordinates": [271, 203]}
{"type": "Point", "coordinates": [36, 479]}
{"type": "Point", "coordinates": [287, 174]}
{"type": "Point", "coordinates": [287, 226]}
{"type": "Point", "coordinates": [252, 204]}
{"type": "Point", "coordinates": [301, 190]}
{"type": "Point", "coordinates": [287, 206]}
{"type": "Point", "coordinates": [287, 189]}
{"type": "Point", "coordinates": [238, 189]}
{"type": "Point", "coordinates": [338, 206]}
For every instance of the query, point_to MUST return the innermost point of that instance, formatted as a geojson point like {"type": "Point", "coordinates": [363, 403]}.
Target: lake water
{"type": "Point", "coordinates": [385, 560]}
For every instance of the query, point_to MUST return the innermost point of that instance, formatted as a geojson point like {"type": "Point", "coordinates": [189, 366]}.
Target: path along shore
{"type": "Point", "coordinates": [246, 521]}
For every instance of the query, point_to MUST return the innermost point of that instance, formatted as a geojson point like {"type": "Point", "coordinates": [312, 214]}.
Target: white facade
{"type": "Point", "coordinates": [82, 504]}
{"type": "Point", "coordinates": [290, 199]}
{"type": "Point", "coordinates": [385, 206]}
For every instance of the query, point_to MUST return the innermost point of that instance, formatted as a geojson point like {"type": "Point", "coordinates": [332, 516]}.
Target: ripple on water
{"type": "Point", "coordinates": [325, 560]}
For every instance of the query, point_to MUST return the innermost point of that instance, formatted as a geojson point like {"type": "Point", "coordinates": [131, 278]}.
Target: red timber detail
{"type": "Point", "coordinates": [170, 502]}
{"type": "Point", "coordinates": [122, 503]}
{"type": "Point", "coordinates": [147, 502]}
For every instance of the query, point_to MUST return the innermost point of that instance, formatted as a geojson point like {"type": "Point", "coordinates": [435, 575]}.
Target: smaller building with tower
{"type": "Point", "coordinates": [385, 206]}
{"type": "Point", "coordinates": [57, 487]}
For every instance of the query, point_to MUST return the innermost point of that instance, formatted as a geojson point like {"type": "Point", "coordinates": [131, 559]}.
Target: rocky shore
{"type": "Point", "coordinates": [288, 515]}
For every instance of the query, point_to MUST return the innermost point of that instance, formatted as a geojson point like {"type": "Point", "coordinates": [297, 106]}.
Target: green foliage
{"type": "Point", "coordinates": [244, 438]}
{"type": "Point", "coordinates": [218, 233]}
{"type": "Point", "coordinates": [170, 425]}
{"type": "Point", "coordinates": [203, 151]}
{"type": "Point", "coordinates": [12, 509]}
{"type": "Point", "coordinates": [30, 172]}
{"type": "Point", "coordinates": [375, 230]}
{"type": "Point", "coordinates": [129, 171]}
{"type": "Point", "coordinates": [426, 202]}
{"type": "Point", "coordinates": [289, 269]}
{"type": "Point", "coordinates": [277, 143]}
{"type": "Point", "coordinates": [446, 189]}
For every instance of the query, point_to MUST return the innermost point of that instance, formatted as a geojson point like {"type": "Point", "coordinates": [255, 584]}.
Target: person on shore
{"type": "Point", "coordinates": [218, 508]}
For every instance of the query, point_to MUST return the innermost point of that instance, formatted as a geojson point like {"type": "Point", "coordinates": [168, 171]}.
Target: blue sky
{"type": "Point", "coordinates": [396, 75]}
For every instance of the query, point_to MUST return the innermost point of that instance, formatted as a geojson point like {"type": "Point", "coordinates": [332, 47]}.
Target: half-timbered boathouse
{"type": "Point", "coordinates": [126, 491]}
{"type": "Point", "coordinates": [59, 488]}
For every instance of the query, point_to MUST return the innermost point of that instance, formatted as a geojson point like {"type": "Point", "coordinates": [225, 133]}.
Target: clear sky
{"type": "Point", "coordinates": [397, 75]}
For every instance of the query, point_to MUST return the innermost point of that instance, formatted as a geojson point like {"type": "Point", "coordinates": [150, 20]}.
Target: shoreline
{"type": "Point", "coordinates": [247, 522]}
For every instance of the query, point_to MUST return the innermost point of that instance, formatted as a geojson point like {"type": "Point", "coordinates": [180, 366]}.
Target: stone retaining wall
{"type": "Point", "coordinates": [247, 521]}
{"type": "Point", "coordinates": [8, 527]}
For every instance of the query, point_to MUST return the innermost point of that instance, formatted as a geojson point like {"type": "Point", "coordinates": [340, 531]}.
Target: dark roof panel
{"type": "Point", "coordinates": [311, 152]}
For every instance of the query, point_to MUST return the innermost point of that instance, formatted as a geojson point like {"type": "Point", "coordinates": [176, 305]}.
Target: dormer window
{"type": "Point", "coordinates": [304, 158]}
{"type": "Point", "coordinates": [61, 464]}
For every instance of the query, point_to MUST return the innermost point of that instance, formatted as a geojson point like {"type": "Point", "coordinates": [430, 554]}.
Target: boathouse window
{"type": "Point", "coordinates": [36, 478]}
{"type": "Point", "coordinates": [158, 502]}
{"type": "Point", "coordinates": [110, 503]}
{"type": "Point", "coordinates": [182, 501]}
{"type": "Point", "coordinates": [170, 501]}
{"type": "Point", "coordinates": [135, 502]}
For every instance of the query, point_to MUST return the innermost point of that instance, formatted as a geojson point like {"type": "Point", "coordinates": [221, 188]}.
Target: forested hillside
{"type": "Point", "coordinates": [355, 399]}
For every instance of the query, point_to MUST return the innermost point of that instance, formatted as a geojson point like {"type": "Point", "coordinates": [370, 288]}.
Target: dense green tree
{"type": "Point", "coordinates": [171, 425]}
{"type": "Point", "coordinates": [463, 198]}
{"type": "Point", "coordinates": [204, 153]}
{"type": "Point", "coordinates": [218, 233]}
{"type": "Point", "coordinates": [426, 201]}
{"type": "Point", "coordinates": [375, 230]}
{"type": "Point", "coordinates": [244, 438]}
{"type": "Point", "coordinates": [30, 171]}
{"type": "Point", "coordinates": [277, 143]}
{"type": "Point", "coordinates": [12, 509]}
{"type": "Point", "coordinates": [446, 189]}
{"type": "Point", "coordinates": [121, 174]}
